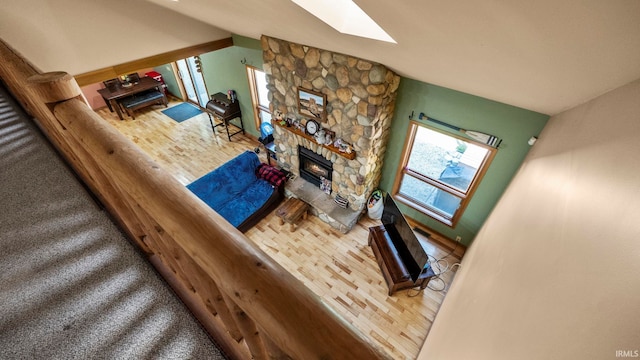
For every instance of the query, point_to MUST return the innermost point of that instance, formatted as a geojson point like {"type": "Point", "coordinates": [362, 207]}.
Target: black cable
{"type": "Point", "coordinates": [420, 288]}
{"type": "Point", "coordinates": [450, 252]}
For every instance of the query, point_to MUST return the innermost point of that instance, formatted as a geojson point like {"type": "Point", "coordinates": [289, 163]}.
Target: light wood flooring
{"type": "Point", "coordinates": [340, 268]}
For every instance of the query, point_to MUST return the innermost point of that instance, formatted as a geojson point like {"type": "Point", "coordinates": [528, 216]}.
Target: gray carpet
{"type": "Point", "coordinates": [71, 285]}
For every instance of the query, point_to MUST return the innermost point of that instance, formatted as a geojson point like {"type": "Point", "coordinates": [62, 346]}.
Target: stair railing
{"type": "Point", "coordinates": [250, 304]}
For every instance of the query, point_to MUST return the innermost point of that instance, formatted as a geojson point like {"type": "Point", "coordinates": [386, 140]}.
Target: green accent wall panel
{"type": "Point", "coordinates": [512, 124]}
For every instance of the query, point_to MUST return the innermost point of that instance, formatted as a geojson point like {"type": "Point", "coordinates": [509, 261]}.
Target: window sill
{"type": "Point", "coordinates": [423, 210]}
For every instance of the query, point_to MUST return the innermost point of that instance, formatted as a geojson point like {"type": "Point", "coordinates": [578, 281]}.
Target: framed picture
{"type": "Point", "coordinates": [311, 104]}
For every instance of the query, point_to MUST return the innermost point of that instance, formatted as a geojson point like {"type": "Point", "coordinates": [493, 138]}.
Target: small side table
{"type": "Point", "coordinates": [291, 211]}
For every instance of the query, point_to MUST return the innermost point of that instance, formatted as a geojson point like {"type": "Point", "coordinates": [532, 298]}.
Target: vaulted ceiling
{"type": "Point", "coordinates": [544, 55]}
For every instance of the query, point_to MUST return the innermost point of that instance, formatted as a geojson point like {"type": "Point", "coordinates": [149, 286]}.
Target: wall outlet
{"type": "Point", "coordinates": [458, 238]}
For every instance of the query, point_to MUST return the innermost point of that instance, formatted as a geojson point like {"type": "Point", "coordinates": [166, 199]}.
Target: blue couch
{"type": "Point", "coordinates": [237, 191]}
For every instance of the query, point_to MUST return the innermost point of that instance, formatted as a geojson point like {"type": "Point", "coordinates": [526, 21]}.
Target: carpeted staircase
{"type": "Point", "coordinates": [71, 285]}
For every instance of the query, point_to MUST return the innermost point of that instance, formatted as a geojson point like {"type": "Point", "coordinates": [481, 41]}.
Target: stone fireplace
{"type": "Point", "coordinates": [359, 109]}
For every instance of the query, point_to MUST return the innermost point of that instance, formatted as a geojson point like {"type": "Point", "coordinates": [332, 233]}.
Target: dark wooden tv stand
{"type": "Point", "coordinates": [394, 271]}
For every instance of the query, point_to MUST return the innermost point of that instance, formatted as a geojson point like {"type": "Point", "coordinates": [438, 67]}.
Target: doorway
{"type": "Point", "coordinates": [190, 75]}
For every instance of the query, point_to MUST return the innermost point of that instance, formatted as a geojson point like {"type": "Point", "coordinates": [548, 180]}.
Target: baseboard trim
{"type": "Point", "coordinates": [449, 244]}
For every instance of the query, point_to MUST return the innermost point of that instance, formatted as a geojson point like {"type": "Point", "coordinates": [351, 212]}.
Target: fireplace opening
{"type": "Point", "coordinates": [314, 166]}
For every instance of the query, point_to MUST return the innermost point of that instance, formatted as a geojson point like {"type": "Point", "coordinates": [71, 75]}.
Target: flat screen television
{"type": "Point", "coordinates": [409, 248]}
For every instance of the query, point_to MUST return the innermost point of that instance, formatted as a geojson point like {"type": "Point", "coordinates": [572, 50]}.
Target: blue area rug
{"type": "Point", "coordinates": [182, 112]}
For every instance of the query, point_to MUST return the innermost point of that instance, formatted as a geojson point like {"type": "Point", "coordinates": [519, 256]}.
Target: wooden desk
{"type": "Point", "coordinates": [112, 97]}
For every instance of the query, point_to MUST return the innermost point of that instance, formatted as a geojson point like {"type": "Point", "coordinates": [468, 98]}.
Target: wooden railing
{"type": "Point", "coordinates": [251, 305]}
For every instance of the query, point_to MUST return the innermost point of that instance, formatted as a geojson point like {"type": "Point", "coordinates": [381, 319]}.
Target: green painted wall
{"type": "Point", "coordinates": [248, 43]}
{"type": "Point", "coordinates": [169, 79]}
{"type": "Point", "coordinates": [514, 125]}
{"type": "Point", "coordinates": [225, 69]}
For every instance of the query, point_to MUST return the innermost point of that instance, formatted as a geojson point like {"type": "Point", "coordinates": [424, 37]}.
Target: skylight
{"type": "Point", "coordinates": [346, 17]}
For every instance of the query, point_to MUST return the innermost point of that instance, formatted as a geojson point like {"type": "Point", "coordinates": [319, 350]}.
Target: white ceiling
{"type": "Point", "coordinates": [544, 55]}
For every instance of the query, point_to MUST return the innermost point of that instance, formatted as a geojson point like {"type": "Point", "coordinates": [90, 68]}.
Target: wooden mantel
{"type": "Point", "coordinates": [333, 149]}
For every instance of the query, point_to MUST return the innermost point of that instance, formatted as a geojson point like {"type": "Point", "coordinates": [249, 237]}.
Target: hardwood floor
{"type": "Point", "coordinates": [339, 268]}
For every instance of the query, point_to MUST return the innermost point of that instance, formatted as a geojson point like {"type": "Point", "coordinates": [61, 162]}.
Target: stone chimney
{"type": "Point", "coordinates": [360, 103]}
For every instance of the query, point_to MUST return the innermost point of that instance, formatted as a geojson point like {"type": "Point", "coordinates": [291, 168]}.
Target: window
{"type": "Point", "coordinates": [439, 172]}
{"type": "Point", "coordinates": [258, 87]}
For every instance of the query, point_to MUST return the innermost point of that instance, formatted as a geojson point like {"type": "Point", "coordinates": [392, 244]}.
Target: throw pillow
{"type": "Point", "coordinates": [274, 176]}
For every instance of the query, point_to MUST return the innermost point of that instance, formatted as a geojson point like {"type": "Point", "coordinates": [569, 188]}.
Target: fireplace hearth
{"type": "Point", "coordinates": [313, 167]}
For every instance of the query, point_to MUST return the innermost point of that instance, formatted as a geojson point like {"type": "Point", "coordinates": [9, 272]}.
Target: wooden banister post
{"type": "Point", "coordinates": [54, 87]}
{"type": "Point", "coordinates": [273, 351]}
{"type": "Point", "coordinates": [248, 329]}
